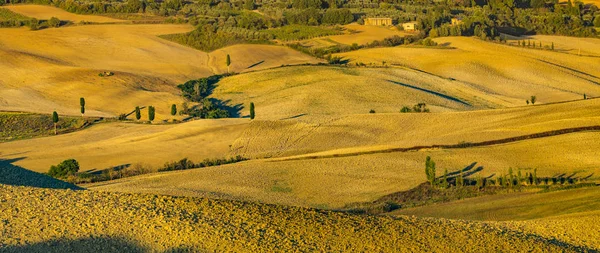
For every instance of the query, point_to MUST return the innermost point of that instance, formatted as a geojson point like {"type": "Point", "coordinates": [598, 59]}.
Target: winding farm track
{"type": "Point", "coordinates": [453, 146]}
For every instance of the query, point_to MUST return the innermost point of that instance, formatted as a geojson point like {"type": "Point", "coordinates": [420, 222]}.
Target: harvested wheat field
{"type": "Point", "coordinates": [530, 212]}
{"type": "Point", "coordinates": [111, 222]}
{"type": "Point", "coordinates": [44, 12]}
{"type": "Point", "coordinates": [250, 57]}
{"type": "Point", "coordinates": [364, 34]}
{"type": "Point", "coordinates": [507, 75]}
{"type": "Point", "coordinates": [57, 66]}
{"type": "Point", "coordinates": [333, 183]}
{"type": "Point", "coordinates": [114, 144]}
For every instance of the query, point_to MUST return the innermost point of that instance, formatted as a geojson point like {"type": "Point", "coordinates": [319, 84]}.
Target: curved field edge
{"type": "Point", "coordinates": [70, 220]}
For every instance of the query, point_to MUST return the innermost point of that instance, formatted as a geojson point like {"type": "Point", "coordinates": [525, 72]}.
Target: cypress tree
{"type": "Point", "coordinates": [511, 176]}
{"type": "Point", "coordinates": [430, 170]}
{"type": "Point", "coordinates": [228, 62]}
{"type": "Point", "coordinates": [584, 96]}
{"type": "Point", "coordinates": [138, 114]}
{"type": "Point", "coordinates": [82, 104]}
{"type": "Point", "coordinates": [252, 113]}
{"type": "Point", "coordinates": [173, 109]}
{"type": "Point", "coordinates": [150, 113]}
{"type": "Point", "coordinates": [535, 180]}
{"type": "Point", "coordinates": [552, 46]}
{"type": "Point", "coordinates": [519, 177]}
{"type": "Point", "coordinates": [55, 120]}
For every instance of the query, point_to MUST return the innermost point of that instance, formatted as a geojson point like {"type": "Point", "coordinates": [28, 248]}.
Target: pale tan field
{"type": "Point", "coordinates": [362, 132]}
{"type": "Point", "coordinates": [365, 34]}
{"type": "Point", "coordinates": [51, 69]}
{"type": "Point", "coordinates": [333, 183]}
{"type": "Point", "coordinates": [319, 90]}
{"type": "Point", "coordinates": [43, 12]}
{"type": "Point", "coordinates": [67, 220]}
{"type": "Point", "coordinates": [250, 57]}
{"type": "Point", "coordinates": [109, 145]}
{"type": "Point", "coordinates": [575, 46]}
{"type": "Point", "coordinates": [508, 75]}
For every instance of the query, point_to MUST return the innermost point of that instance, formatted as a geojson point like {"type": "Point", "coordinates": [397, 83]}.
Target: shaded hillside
{"type": "Point", "coordinates": [15, 175]}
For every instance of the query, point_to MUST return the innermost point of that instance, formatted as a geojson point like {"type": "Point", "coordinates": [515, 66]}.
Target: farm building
{"type": "Point", "coordinates": [410, 26]}
{"type": "Point", "coordinates": [378, 21]}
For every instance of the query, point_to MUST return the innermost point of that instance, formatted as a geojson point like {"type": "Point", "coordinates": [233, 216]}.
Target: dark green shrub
{"type": "Point", "coordinates": [64, 169]}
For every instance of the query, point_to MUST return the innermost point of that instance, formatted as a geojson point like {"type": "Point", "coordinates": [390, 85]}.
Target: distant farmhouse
{"type": "Point", "coordinates": [378, 21]}
{"type": "Point", "coordinates": [456, 21]}
{"type": "Point", "coordinates": [410, 26]}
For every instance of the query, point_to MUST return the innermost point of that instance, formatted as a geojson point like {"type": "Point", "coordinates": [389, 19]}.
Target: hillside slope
{"type": "Point", "coordinates": [507, 75]}
{"type": "Point", "coordinates": [84, 220]}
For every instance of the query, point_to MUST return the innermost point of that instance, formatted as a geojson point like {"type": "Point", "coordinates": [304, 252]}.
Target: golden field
{"type": "Point", "coordinates": [364, 34]}
{"type": "Point", "coordinates": [67, 220]}
{"type": "Point", "coordinates": [333, 183]}
{"type": "Point", "coordinates": [509, 75]}
{"type": "Point", "coordinates": [314, 148]}
{"type": "Point", "coordinates": [112, 144]}
{"type": "Point", "coordinates": [43, 12]}
{"type": "Point", "coordinates": [50, 69]}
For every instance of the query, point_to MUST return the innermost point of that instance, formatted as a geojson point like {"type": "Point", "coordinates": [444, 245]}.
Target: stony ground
{"type": "Point", "coordinates": [50, 220]}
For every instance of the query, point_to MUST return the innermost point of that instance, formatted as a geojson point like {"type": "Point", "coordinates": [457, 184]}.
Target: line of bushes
{"type": "Point", "coordinates": [186, 164]}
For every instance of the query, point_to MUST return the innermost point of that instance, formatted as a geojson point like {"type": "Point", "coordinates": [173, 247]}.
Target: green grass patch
{"type": "Point", "coordinates": [301, 32]}
{"type": "Point", "coordinates": [8, 15]}
{"type": "Point", "coordinates": [17, 126]}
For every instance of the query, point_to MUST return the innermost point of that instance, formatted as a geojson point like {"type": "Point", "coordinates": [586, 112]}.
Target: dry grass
{"type": "Point", "coordinates": [66, 220]}
{"type": "Point", "coordinates": [256, 57]}
{"type": "Point", "coordinates": [506, 75]}
{"type": "Point", "coordinates": [514, 206]}
{"type": "Point", "coordinates": [44, 12]}
{"type": "Point", "coordinates": [365, 34]}
{"type": "Point", "coordinates": [113, 144]}
{"type": "Point", "coordinates": [336, 182]}
{"type": "Point", "coordinates": [50, 69]}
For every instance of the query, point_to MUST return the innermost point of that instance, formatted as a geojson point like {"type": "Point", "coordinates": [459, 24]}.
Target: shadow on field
{"type": "Point", "coordinates": [105, 244]}
{"type": "Point", "coordinates": [14, 175]}
{"type": "Point", "coordinates": [96, 244]}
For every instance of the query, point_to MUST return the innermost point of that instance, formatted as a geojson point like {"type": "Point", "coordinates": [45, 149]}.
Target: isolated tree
{"type": "Point", "coordinates": [533, 99]}
{"type": "Point", "coordinates": [228, 62]}
{"type": "Point", "coordinates": [55, 120]}
{"type": "Point", "coordinates": [173, 109]}
{"type": "Point", "coordinates": [430, 170]}
{"type": "Point", "coordinates": [552, 47]}
{"type": "Point", "coordinates": [527, 102]}
{"type": "Point", "coordinates": [150, 113]}
{"type": "Point", "coordinates": [252, 113]}
{"type": "Point", "coordinates": [138, 113]}
{"type": "Point", "coordinates": [584, 96]}
{"type": "Point", "coordinates": [82, 104]}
